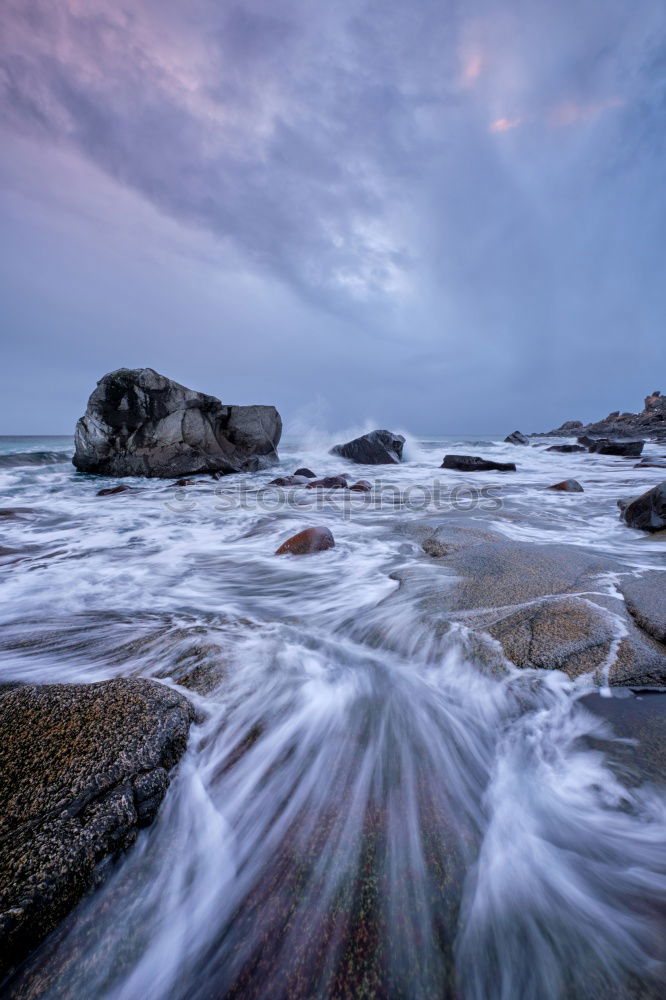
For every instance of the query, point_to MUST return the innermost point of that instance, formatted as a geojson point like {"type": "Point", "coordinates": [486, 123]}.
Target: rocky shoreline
{"type": "Point", "coordinates": [650, 423]}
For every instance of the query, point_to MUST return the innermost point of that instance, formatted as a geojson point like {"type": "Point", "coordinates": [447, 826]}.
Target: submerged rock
{"type": "Point", "coordinates": [307, 541]}
{"type": "Point", "coordinates": [566, 449]}
{"type": "Point", "coordinates": [516, 437]}
{"type": "Point", "coordinates": [289, 481]}
{"type": "Point", "coordinates": [626, 449]}
{"type": "Point", "coordinates": [308, 473]}
{"type": "Point", "coordinates": [376, 448]}
{"type": "Point", "coordinates": [567, 486]}
{"type": "Point", "coordinates": [328, 483]}
{"type": "Point", "coordinates": [362, 486]}
{"type": "Point", "coordinates": [472, 463]}
{"type": "Point", "coordinates": [139, 423]}
{"type": "Point", "coordinates": [110, 491]}
{"type": "Point", "coordinates": [648, 511]}
{"type": "Point", "coordinates": [82, 768]}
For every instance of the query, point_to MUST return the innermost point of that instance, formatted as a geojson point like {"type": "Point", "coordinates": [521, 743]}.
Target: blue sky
{"type": "Point", "coordinates": [443, 217]}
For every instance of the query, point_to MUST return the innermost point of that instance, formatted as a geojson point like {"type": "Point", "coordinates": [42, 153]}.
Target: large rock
{"type": "Point", "coordinates": [82, 768]}
{"type": "Point", "coordinates": [139, 423]}
{"type": "Point", "coordinates": [472, 463]}
{"type": "Point", "coordinates": [645, 597]}
{"type": "Point", "coordinates": [516, 437]}
{"type": "Point", "coordinates": [627, 449]}
{"type": "Point", "coordinates": [376, 448]}
{"type": "Point", "coordinates": [566, 449]}
{"type": "Point", "coordinates": [648, 511]}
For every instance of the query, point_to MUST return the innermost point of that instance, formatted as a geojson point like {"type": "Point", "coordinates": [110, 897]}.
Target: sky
{"type": "Point", "coordinates": [439, 216]}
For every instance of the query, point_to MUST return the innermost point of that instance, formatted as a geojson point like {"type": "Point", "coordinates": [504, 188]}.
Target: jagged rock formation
{"type": "Point", "coordinates": [376, 448]}
{"type": "Point", "coordinates": [140, 423]}
{"type": "Point", "coordinates": [650, 423]}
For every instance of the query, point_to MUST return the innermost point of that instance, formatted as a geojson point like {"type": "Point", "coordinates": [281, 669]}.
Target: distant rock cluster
{"type": "Point", "coordinates": [650, 423]}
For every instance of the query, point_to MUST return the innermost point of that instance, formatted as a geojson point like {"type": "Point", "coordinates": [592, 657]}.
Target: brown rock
{"type": "Point", "coordinates": [328, 483]}
{"type": "Point", "coordinates": [82, 768]}
{"type": "Point", "coordinates": [567, 486]}
{"type": "Point", "coordinates": [289, 481]}
{"type": "Point", "coordinates": [307, 541]}
{"type": "Point", "coordinates": [362, 486]}
{"type": "Point", "coordinates": [111, 490]}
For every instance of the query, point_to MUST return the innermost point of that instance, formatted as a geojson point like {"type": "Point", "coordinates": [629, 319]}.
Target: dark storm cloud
{"type": "Point", "coordinates": [480, 184]}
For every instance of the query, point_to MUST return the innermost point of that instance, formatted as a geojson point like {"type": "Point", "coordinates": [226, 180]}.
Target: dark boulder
{"type": "Point", "coordinates": [139, 423]}
{"type": "Point", "coordinates": [566, 449]}
{"type": "Point", "coordinates": [567, 486]}
{"type": "Point", "coordinates": [626, 449]}
{"type": "Point", "coordinates": [82, 768]}
{"type": "Point", "coordinates": [179, 482]}
{"type": "Point", "coordinates": [328, 483]}
{"type": "Point", "coordinates": [585, 440]}
{"type": "Point", "coordinates": [516, 437]}
{"type": "Point", "coordinates": [289, 481]}
{"type": "Point", "coordinates": [362, 486]}
{"type": "Point", "coordinates": [470, 463]}
{"type": "Point", "coordinates": [648, 511]}
{"type": "Point", "coordinates": [110, 491]}
{"type": "Point", "coordinates": [308, 473]}
{"type": "Point", "coordinates": [307, 541]}
{"type": "Point", "coordinates": [376, 448]}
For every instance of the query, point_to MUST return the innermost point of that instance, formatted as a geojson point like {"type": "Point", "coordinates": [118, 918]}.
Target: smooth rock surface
{"type": "Point", "coordinates": [567, 486]}
{"type": "Point", "coordinates": [139, 423]}
{"type": "Point", "coordinates": [645, 597]}
{"type": "Point", "coordinates": [566, 449]}
{"type": "Point", "coordinates": [472, 463]}
{"type": "Point", "coordinates": [307, 541]}
{"type": "Point", "coordinates": [308, 473]}
{"type": "Point", "coordinates": [626, 449]}
{"type": "Point", "coordinates": [379, 447]}
{"type": "Point", "coordinates": [648, 511]}
{"type": "Point", "coordinates": [82, 768]}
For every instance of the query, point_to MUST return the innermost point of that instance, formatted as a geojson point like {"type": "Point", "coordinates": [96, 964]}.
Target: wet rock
{"type": "Point", "coordinates": [645, 597]}
{"type": "Point", "coordinates": [648, 511]}
{"type": "Point", "coordinates": [379, 447]}
{"type": "Point", "coordinates": [110, 491]}
{"type": "Point", "coordinates": [585, 440]}
{"type": "Point", "coordinates": [82, 768]}
{"type": "Point", "coordinates": [179, 482]}
{"type": "Point", "coordinates": [362, 486]}
{"type": "Point", "coordinates": [289, 481]}
{"type": "Point", "coordinates": [546, 607]}
{"type": "Point", "coordinates": [139, 423]}
{"type": "Point", "coordinates": [470, 463]}
{"type": "Point", "coordinates": [651, 422]}
{"type": "Point", "coordinates": [308, 473]}
{"type": "Point", "coordinates": [566, 448]}
{"type": "Point", "coordinates": [516, 437]}
{"type": "Point", "coordinates": [328, 483]}
{"type": "Point", "coordinates": [626, 449]}
{"type": "Point", "coordinates": [307, 541]}
{"type": "Point", "coordinates": [567, 486]}
{"type": "Point", "coordinates": [651, 463]}
{"type": "Point", "coordinates": [15, 513]}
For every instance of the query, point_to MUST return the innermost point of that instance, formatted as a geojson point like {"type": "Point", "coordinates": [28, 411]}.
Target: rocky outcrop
{"type": "Point", "coordinates": [648, 511]}
{"type": "Point", "coordinates": [307, 541]}
{"type": "Point", "coordinates": [82, 768]}
{"type": "Point", "coordinates": [472, 463]}
{"type": "Point", "coordinates": [567, 486]}
{"type": "Point", "coordinates": [376, 448]}
{"type": "Point", "coordinates": [516, 437]}
{"type": "Point", "coordinates": [626, 449]}
{"type": "Point", "coordinates": [649, 423]}
{"type": "Point", "coordinates": [139, 423]}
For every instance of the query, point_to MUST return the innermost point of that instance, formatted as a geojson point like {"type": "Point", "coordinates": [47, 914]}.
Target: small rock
{"type": "Point", "coordinates": [567, 486]}
{"type": "Point", "coordinates": [289, 481]}
{"type": "Point", "coordinates": [308, 473]}
{"type": "Point", "coordinates": [566, 448]}
{"type": "Point", "coordinates": [110, 490]}
{"type": "Point", "coordinates": [180, 482]}
{"type": "Point", "coordinates": [307, 541]}
{"type": "Point", "coordinates": [328, 483]}
{"type": "Point", "coordinates": [472, 463]}
{"type": "Point", "coordinates": [376, 448]}
{"type": "Point", "coordinates": [648, 511]}
{"type": "Point", "coordinates": [362, 486]}
{"type": "Point", "coordinates": [651, 463]}
{"type": "Point", "coordinates": [516, 437]}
